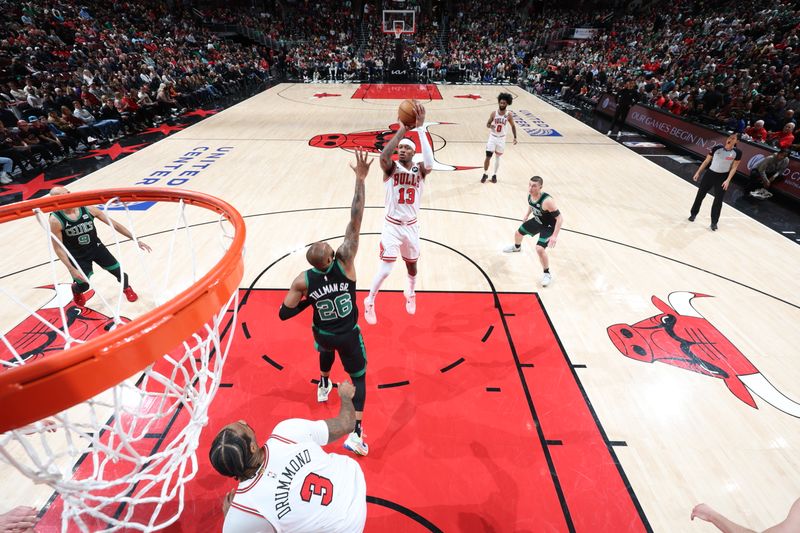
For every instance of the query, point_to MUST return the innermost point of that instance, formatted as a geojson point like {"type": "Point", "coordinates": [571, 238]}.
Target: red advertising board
{"type": "Point", "coordinates": [698, 139]}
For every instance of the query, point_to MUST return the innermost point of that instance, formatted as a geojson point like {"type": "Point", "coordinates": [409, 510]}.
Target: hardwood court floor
{"type": "Point", "coordinates": [682, 429]}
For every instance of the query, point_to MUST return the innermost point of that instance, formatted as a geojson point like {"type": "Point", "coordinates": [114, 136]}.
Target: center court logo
{"type": "Point", "coordinates": [374, 141]}
{"type": "Point", "coordinates": [533, 125]}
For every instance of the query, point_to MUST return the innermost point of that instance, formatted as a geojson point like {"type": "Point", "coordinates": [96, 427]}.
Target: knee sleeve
{"type": "Point", "coordinates": [360, 396]}
{"type": "Point", "coordinates": [326, 360]}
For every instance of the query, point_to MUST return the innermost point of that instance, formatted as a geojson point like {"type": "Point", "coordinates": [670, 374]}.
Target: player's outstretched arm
{"type": "Point", "coordinates": [346, 421]}
{"type": "Point", "coordinates": [292, 304]}
{"type": "Point", "coordinates": [425, 146]}
{"type": "Point", "coordinates": [122, 230]}
{"type": "Point", "coordinates": [491, 119]}
{"type": "Point", "coordinates": [391, 146]}
{"type": "Point", "coordinates": [347, 251]}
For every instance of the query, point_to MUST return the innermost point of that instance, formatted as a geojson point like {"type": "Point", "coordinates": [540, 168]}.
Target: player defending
{"type": "Point", "coordinates": [403, 181]}
{"type": "Point", "coordinates": [290, 483]}
{"type": "Point", "coordinates": [546, 222]}
{"type": "Point", "coordinates": [498, 123]}
{"type": "Point", "coordinates": [75, 228]}
{"type": "Point", "coordinates": [330, 286]}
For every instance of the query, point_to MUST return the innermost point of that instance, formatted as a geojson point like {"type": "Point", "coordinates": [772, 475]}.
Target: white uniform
{"type": "Point", "coordinates": [497, 135]}
{"type": "Point", "coordinates": [400, 233]}
{"type": "Point", "coordinates": [300, 488]}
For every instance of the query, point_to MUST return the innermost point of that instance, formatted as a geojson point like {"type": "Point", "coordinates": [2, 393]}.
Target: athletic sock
{"type": "Point", "coordinates": [357, 430]}
{"type": "Point", "coordinates": [518, 246]}
{"type": "Point", "coordinates": [323, 381]}
{"type": "Point", "coordinates": [546, 270]}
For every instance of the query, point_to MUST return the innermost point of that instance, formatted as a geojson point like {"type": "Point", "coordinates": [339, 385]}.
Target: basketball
{"type": "Point", "coordinates": [407, 114]}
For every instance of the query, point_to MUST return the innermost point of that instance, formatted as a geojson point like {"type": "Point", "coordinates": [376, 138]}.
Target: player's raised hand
{"type": "Point", "coordinates": [145, 247]}
{"type": "Point", "coordinates": [420, 111]}
{"type": "Point", "coordinates": [362, 165]}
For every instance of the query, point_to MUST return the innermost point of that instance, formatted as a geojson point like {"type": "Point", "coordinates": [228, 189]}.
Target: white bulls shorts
{"type": "Point", "coordinates": [399, 240]}
{"type": "Point", "coordinates": [496, 144]}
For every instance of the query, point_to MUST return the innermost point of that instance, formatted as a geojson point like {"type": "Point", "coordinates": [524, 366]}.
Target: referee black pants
{"type": "Point", "coordinates": [711, 180]}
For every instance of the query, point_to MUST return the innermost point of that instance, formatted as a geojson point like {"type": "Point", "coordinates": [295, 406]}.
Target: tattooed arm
{"type": "Point", "coordinates": [346, 421]}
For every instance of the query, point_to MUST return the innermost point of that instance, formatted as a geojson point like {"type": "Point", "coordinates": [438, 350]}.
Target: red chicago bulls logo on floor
{"type": "Point", "coordinates": [680, 336]}
{"type": "Point", "coordinates": [34, 338]}
{"type": "Point", "coordinates": [374, 141]}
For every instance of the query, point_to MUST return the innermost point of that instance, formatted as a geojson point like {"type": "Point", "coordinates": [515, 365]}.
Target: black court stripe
{"type": "Point", "coordinates": [617, 443]}
{"type": "Point", "coordinates": [452, 365]}
{"type": "Point", "coordinates": [225, 385]}
{"type": "Point", "coordinates": [396, 384]}
{"type": "Point", "coordinates": [273, 363]}
{"type": "Point", "coordinates": [551, 442]}
{"type": "Point", "coordinates": [404, 511]}
{"type": "Point", "coordinates": [526, 365]}
{"type": "Point", "coordinates": [578, 366]}
{"type": "Point", "coordinates": [492, 389]}
{"type": "Point", "coordinates": [245, 330]}
{"type": "Point", "coordinates": [488, 332]}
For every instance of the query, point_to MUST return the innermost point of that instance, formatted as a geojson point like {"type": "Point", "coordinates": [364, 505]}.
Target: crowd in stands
{"type": "Point", "coordinates": [736, 69]}
{"type": "Point", "coordinates": [74, 76]}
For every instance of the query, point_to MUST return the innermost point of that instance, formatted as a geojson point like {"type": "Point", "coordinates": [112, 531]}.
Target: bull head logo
{"type": "Point", "coordinates": [32, 339]}
{"type": "Point", "coordinates": [374, 141]}
{"type": "Point", "coordinates": [680, 336]}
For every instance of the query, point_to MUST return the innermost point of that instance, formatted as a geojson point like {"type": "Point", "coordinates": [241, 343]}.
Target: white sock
{"type": "Point", "coordinates": [412, 282]}
{"type": "Point", "coordinates": [496, 164]}
{"type": "Point", "coordinates": [377, 281]}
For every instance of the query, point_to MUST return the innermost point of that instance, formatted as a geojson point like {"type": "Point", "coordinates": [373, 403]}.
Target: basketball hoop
{"type": "Point", "coordinates": [100, 401]}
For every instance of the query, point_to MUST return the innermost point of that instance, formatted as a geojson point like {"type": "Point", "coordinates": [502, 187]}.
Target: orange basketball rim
{"type": "Point", "coordinates": [49, 385]}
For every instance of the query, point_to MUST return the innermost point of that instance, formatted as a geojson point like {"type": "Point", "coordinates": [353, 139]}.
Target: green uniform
{"type": "Point", "coordinates": [542, 222]}
{"type": "Point", "coordinates": [333, 297]}
{"type": "Point", "coordinates": [80, 239]}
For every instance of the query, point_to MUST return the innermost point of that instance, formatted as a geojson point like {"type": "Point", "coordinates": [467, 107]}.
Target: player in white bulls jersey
{"type": "Point", "coordinates": [498, 124]}
{"type": "Point", "coordinates": [290, 484]}
{"type": "Point", "coordinates": [403, 180]}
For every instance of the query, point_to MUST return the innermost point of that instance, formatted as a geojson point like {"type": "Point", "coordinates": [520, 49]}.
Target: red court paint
{"type": "Point", "coordinates": [456, 448]}
{"type": "Point", "coordinates": [397, 91]}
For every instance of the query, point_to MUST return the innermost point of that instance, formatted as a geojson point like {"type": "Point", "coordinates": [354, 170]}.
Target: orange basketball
{"type": "Point", "coordinates": [407, 114]}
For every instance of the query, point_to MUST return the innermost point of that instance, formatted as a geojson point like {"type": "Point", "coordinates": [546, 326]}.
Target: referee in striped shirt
{"type": "Point", "coordinates": [721, 161]}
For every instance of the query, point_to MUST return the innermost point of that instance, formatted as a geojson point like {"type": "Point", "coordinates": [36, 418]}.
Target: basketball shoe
{"type": "Point", "coordinates": [511, 249]}
{"type": "Point", "coordinates": [130, 295]}
{"type": "Point", "coordinates": [547, 279]}
{"type": "Point", "coordinates": [484, 178]}
{"type": "Point", "coordinates": [369, 312]}
{"type": "Point", "coordinates": [494, 178]}
{"type": "Point", "coordinates": [323, 392]}
{"type": "Point", "coordinates": [355, 443]}
{"type": "Point", "coordinates": [78, 297]}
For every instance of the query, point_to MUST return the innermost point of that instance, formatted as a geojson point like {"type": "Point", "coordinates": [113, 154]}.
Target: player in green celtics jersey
{"type": "Point", "coordinates": [330, 288]}
{"type": "Point", "coordinates": [545, 221]}
{"type": "Point", "coordinates": [75, 229]}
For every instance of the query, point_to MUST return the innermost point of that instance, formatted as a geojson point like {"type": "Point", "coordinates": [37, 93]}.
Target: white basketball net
{"type": "Point", "coordinates": [134, 444]}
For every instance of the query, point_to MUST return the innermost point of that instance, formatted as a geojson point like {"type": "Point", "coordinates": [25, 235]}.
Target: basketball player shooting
{"type": "Point", "coordinates": [498, 123]}
{"type": "Point", "coordinates": [403, 180]}
{"type": "Point", "coordinates": [75, 229]}
{"type": "Point", "coordinates": [330, 286]}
